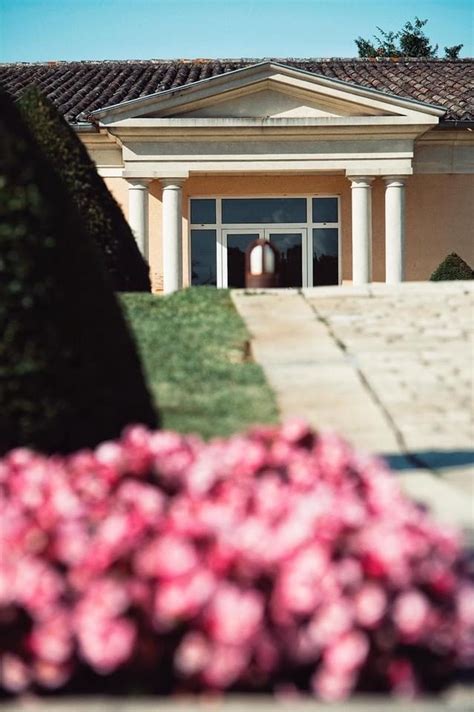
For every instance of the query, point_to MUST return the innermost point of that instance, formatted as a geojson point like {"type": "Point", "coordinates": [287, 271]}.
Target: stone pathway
{"type": "Point", "coordinates": [457, 700]}
{"type": "Point", "coordinates": [389, 367]}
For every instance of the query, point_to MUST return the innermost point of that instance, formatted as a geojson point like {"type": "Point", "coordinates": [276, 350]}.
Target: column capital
{"type": "Point", "coordinates": [139, 183]}
{"type": "Point", "coordinates": [172, 182]}
{"type": "Point", "coordinates": [361, 181]}
{"type": "Point", "coordinates": [395, 181]}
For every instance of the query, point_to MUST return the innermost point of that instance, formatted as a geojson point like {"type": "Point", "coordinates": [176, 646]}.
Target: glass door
{"type": "Point", "coordinates": [291, 246]}
{"type": "Point", "coordinates": [235, 243]}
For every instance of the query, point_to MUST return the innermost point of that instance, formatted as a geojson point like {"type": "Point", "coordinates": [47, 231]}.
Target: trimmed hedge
{"type": "Point", "coordinates": [453, 267]}
{"type": "Point", "coordinates": [70, 376]}
{"type": "Point", "coordinates": [101, 215]}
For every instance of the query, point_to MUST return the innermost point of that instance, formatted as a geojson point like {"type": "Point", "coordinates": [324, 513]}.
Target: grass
{"type": "Point", "coordinates": [194, 349]}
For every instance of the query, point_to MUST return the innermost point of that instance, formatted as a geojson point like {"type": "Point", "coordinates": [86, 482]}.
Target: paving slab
{"type": "Point", "coordinates": [388, 366]}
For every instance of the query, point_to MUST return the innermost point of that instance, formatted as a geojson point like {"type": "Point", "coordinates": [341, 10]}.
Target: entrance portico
{"type": "Point", "coordinates": [270, 120]}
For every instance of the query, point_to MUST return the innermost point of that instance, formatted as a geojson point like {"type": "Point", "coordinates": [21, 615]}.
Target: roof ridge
{"type": "Point", "coordinates": [253, 60]}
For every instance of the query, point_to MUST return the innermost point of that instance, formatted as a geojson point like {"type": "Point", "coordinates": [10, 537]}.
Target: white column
{"type": "Point", "coordinates": [394, 229]}
{"type": "Point", "coordinates": [138, 212]}
{"type": "Point", "coordinates": [361, 229]}
{"type": "Point", "coordinates": [172, 234]}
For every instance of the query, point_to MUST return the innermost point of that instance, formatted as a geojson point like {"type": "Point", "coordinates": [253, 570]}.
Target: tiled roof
{"type": "Point", "coordinates": [80, 87]}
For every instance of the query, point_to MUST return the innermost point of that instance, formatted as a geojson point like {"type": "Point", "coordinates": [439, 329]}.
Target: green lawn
{"type": "Point", "coordinates": [194, 348]}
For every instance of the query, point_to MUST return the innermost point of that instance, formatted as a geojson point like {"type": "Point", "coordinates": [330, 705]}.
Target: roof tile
{"type": "Point", "coordinates": [81, 87]}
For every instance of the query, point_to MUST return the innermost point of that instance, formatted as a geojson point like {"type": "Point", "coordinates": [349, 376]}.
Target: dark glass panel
{"type": "Point", "coordinates": [203, 257]}
{"type": "Point", "coordinates": [325, 210]}
{"type": "Point", "coordinates": [236, 247]}
{"type": "Point", "coordinates": [325, 256]}
{"type": "Point", "coordinates": [263, 210]}
{"type": "Point", "coordinates": [203, 211]}
{"type": "Point", "coordinates": [290, 250]}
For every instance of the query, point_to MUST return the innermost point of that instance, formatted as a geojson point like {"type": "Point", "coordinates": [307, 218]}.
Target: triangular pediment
{"type": "Point", "coordinates": [269, 90]}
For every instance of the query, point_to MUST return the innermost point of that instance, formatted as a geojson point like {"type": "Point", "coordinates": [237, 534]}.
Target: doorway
{"type": "Point", "coordinates": [290, 244]}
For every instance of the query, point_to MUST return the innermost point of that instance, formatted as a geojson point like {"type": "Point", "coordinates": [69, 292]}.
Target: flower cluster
{"type": "Point", "coordinates": [276, 560]}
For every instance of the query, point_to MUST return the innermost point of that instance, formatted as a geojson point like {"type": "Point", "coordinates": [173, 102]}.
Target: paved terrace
{"type": "Point", "coordinates": [389, 367]}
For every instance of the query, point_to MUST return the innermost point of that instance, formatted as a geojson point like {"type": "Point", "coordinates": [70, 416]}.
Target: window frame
{"type": "Point", "coordinates": [308, 226]}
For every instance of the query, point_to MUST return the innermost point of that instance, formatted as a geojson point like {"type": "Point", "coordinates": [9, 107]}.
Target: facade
{"type": "Point", "coordinates": [351, 182]}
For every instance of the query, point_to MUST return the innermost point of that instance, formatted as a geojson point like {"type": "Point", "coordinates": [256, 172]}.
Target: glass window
{"type": "Point", "coordinates": [263, 210]}
{"type": "Point", "coordinates": [203, 257]}
{"type": "Point", "coordinates": [203, 211]}
{"type": "Point", "coordinates": [325, 210]}
{"type": "Point", "coordinates": [325, 256]}
{"type": "Point", "coordinates": [290, 250]}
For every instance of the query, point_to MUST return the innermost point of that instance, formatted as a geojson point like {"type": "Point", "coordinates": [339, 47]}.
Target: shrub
{"type": "Point", "coordinates": [69, 373]}
{"type": "Point", "coordinates": [280, 559]}
{"type": "Point", "coordinates": [101, 215]}
{"type": "Point", "coordinates": [452, 267]}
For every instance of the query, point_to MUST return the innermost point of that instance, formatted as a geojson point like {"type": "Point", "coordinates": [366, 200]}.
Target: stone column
{"type": "Point", "coordinates": [394, 229]}
{"type": "Point", "coordinates": [361, 229]}
{"type": "Point", "coordinates": [138, 212]}
{"type": "Point", "coordinates": [172, 234]}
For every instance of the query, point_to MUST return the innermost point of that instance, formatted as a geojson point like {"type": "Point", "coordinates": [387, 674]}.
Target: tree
{"type": "Point", "coordinates": [452, 52]}
{"type": "Point", "coordinates": [101, 215]}
{"type": "Point", "coordinates": [410, 41]}
{"type": "Point", "coordinates": [70, 376]}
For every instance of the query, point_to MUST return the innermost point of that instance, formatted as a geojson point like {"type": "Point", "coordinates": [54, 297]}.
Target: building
{"type": "Point", "coordinates": [357, 170]}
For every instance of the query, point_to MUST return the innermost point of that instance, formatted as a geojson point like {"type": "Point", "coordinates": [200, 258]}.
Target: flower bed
{"type": "Point", "coordinates": [276, 560]}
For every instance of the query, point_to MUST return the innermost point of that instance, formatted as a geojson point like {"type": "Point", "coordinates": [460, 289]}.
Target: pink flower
{"type": "Point", "coordinates": [234, 616]}
{"type": "Point", "coordinates": [295, 430]}
{"type": "Point", "coordinates": [331, 621]}
{"type": "Point", "coordinates": [241, 559]}
{"type": "Point", "coordinates": [370, 605]}
{"type": "Point", "coordinates": [332, 685]}
{"type": "Point", "coordinates": [297, 587]}
{"type": "Point", "coordinates": [347, 653]}
{"type": "Point", "coordinates": [51, 675]}
{"type": "Point", "coordinates": [167, 556]}
{"type": "Point", "coordinates": [410, 614]}
{"type": "Point", "coordinates": [15, 676]}
{"type": "Point", "coordinates": [182, 598]}
{"type": "Point", "coordinates": [106, 643]}
{"type": "Point", "coordinates": [51, 640]}
{"type": "Point", "coordinates": [193, 654]}
{"type": "Point", "coordinates": [105, 597]}
{"type": "Point", "coordinates": [225, 665]}
{"type": "Point", "coordinates": [37, 586]}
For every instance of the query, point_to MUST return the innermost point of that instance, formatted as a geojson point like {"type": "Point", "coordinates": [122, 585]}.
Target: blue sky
{"type": "Point", "coordinates": [39, 30]}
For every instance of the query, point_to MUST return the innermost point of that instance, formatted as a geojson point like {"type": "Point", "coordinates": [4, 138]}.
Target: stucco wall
{"type": "Point", "coordinates": [439, 215]}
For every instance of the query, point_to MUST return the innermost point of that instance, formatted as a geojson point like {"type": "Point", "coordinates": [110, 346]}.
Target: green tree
{"type": "Point", "coordinates": [101, 215]}
{"type": "Point", "coordinates": [452, 52]}
{"type": "Point", "coordinates": [410, 41]}
{"type": "Point", "coordinates": [70, 376]}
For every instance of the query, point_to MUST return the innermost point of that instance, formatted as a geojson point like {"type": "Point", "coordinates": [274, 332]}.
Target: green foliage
{"type": "Point", "coordinates": [69, 373]}
{"type": "Point", "coordinates": [453, 52]}
{"type": "Point", "coordinates": [101, 215]}
{"type": "Point", "coordinates": [410, 41]}
{"type": "Point", "coordinates": [453, 267]}
{"type": "Point", "coordinates": [194, 348]}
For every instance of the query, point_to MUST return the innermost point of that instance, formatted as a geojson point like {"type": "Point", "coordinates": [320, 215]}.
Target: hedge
{"type": "Point", "coordinates": [452, 267]}
{"type": "Point", "coordinates": [70, 376]}
{"type": "Point", "coordinates": [102, 216]}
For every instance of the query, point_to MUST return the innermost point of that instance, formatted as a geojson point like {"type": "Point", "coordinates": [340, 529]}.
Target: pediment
{"type": "Point", "coordinates": [269, 99]}
{"type": "Point", "coordinates": [269, 90]}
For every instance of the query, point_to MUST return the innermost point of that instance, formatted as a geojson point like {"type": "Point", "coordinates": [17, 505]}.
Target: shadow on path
{"type": "Point", "coordinates": [431, 459]}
